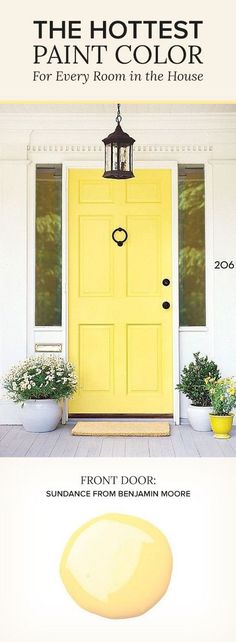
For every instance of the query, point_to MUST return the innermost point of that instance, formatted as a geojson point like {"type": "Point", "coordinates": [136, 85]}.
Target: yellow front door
{"type": "Point", "coordinates": [120, 335]}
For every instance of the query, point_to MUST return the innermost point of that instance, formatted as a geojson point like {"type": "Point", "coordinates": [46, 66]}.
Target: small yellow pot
{"type": "Point", "coordinates": [221, 425]}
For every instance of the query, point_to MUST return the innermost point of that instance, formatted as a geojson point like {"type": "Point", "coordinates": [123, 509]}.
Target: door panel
{"type": "Point", "coordinates": [120, 337]}
{"type": "Point", "coordinates": [95, 241]}
{"type": "Point", "coordinates": [138, 192]}
{"type": "Point", "coordinates": [143, 275]}
{"type": "Point", "coordinates": [143, 358]}
{"type": "Point", "coordinates": [94, 191]}
{"type": "Point", "coordinates": [96, 355]}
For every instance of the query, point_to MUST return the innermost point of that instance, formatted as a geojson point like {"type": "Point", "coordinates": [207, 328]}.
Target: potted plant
{"type": "Point", "coordinates": [193, 385]}
{"type": "Point", "coordinates": [222, 393]}
{"type": "Point", "coordinates": [38, 384]}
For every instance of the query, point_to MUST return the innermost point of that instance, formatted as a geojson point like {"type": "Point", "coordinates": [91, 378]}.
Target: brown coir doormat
{"type": "Point", "coordinates": [122, 428]}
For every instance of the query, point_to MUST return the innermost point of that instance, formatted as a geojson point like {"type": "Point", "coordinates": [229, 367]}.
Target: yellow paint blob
{"type": "Point", "coordinates": [117, 566]}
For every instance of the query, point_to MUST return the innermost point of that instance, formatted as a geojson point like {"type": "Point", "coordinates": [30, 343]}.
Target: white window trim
{"type": "Point", "coordinates": [209, 257]}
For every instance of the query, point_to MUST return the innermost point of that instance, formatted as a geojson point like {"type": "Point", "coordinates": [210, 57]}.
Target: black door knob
{"type": "Point", "coordinates": [166, 305]}
{"type": "Point", "coordinates": [166, 282]}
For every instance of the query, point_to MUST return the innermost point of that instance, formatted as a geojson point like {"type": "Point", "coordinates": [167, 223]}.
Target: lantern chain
{"type": "Point", "coordinates": [118, 117]}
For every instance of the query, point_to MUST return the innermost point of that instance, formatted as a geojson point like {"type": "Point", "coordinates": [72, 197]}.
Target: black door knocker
{"type": "Point", "coordinates": [120, 242]}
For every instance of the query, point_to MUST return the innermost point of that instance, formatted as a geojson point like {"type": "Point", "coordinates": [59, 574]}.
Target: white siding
{"type": "Point", "coordinates": [13, 253]}
{"type": "Point", "coordinates": [224, 198]}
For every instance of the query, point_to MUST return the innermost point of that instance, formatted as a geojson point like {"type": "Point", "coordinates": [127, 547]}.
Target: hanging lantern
{"type": "Point", "coordinates": [118, 152]}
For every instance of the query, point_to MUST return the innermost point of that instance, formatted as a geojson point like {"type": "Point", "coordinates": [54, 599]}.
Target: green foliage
{"type": "Point", "coordinates": [48, 251]}
{"type": "Point", "coordinates": [192, 251]}
{"type": "Point", "coordinates": [222, 394]}
{"type": "Point", "coordinates": [41, 378]}
{"type": "Point", "coordinates": [193, 380]}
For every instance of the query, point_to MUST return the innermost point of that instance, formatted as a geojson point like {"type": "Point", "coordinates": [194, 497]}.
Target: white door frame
{"type": "Point", "coordinates": [60, 335]}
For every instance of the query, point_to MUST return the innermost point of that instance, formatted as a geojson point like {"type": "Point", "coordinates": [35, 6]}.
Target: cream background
{"type": "Point", "coordinates": [199, 603]}
{"type": "Point", "coordinates": [17, 36]}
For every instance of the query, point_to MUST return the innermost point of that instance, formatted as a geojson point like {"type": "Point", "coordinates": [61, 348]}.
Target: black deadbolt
{"type": "Point", "coordinates": [119, 242]}
{"type": "Point", "coordinates": [166, 305]}
{"type": "Point", "coordinates": [166, 282]}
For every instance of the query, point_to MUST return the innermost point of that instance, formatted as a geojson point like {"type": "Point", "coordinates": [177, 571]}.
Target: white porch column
{"type": "Point", "coordinates": [13, 267]}
{"type": "Point", "coordinates": [224, 204]}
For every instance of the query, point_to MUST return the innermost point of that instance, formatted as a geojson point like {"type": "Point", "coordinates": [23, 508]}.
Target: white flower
{"type": "Point", "coordinates": [54, 371]}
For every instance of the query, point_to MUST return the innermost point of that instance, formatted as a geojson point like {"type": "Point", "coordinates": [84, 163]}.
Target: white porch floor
{"type": "Point", "coordinates": [183, 442]}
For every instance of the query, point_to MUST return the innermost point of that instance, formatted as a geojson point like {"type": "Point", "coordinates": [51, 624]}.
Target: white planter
{"type": "Point", "coordinates": [40, 415]}
{"type": "Point", "coordinates": [199, 417]}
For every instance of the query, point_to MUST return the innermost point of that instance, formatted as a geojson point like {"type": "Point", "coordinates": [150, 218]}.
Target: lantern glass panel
{"type": "Point", "coordinates": [124, 159]}
{"type": "Point", "coordinates": [108, 158]}
{"type": "Point", "coordinates": [115, 156]}
{"type": "Point", "coordinates": [131, 158]}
